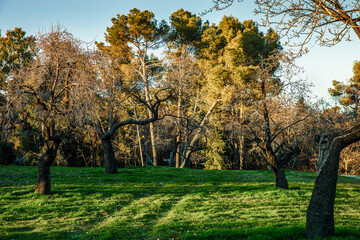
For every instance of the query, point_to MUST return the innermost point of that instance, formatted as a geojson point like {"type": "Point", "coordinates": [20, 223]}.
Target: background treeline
{"type": "Point", "coordinates": [185, 93]}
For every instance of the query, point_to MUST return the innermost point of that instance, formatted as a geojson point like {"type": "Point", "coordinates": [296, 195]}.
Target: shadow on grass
{"type": "Point", "coordinates": [120, 232]}
{"type": "Point", "coordinates": [53, 235]}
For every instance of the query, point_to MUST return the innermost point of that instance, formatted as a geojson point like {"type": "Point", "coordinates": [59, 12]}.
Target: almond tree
{"type": "Point", "coordinates": [106, 103]}
{"type": "Point", "coordinates": [274, 107]}
{"type": "Point", "coordinates": [40, 91]}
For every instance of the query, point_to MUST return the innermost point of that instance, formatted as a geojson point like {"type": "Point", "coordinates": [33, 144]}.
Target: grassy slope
{"type": "Point", "coordinates": [165, 203]}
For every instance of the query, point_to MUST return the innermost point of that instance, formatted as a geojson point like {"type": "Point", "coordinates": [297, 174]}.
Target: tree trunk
{"type": "Point", "coordinates": [320, 213]}
{"type": "Point", "coordinates": [280, 178]}
{"type": "Point", "coordinates": [153, 144]}
{"type": "Point", "coordinates": [111, 166]}
{"type": "Point", "coordinates": [139, 139]}
{"type": "Point", "coordinates": [43, 178]}
{"type": "Point", "coordinates": [235, 155]}
{"type": "Point", "coordinates": [140, 147]}
{"type": "Point", "coordinates": [277, 166]}
{"type": "Point", "coordinates": [178, 136]}
{"type": "Point", "coordinates": [242, 152]}
{"type": "Point", "coordinates": [241, 141]}
{"type": "Point", "coordinates": [177, 152]}
{"type": "Point", "coordinates": [46, 159]}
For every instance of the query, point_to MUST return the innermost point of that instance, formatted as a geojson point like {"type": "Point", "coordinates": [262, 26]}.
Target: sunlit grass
{"type": "Point", "coordinates": [165, 203]}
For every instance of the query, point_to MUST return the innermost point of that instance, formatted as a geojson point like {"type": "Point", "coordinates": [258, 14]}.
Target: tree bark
{"type": "Point", "coordinates": [111, 166]}
{"type": "Point", "coordinates": [43, 177]}
{"type": "Point", "coordinates": [320, 213]}
{"type": "Point", "coordinates": [139, 139]}
{"type": "Point", "coordinates": [280, 178]}
{"type": "Point", "coordinates": [140, 147]}
{"type": "Point", "coordinates": [153, 144]}
{"type": "Point", "coordinates": [52, 144]}
{"type": "Point", "coordinates": [177, 151]}
{"type": "Point", "coordinates": [242, 152]}
{"type": "Point", "coordinates": [277, 168]}
{"type": "Point", "coordinates": [235, 155]}
{"type": "Point", "coordinates": [178, 136]}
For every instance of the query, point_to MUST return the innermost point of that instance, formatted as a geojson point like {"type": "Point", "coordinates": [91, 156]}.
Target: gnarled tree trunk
{"type": "Point", "coordinates": [43, 178]}
{"type": "Point", "coordinates": [46, 159]}
{"type": "Point", "coordinates": [111, 166]}
{"type": "Point", "coordinates": [277, 168]}
{"type": "Point", "coordinates": [280, 178]}
{"type": "Point", "coordinates": [320, 213]}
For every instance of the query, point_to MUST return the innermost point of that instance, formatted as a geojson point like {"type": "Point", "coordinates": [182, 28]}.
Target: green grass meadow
{"type": "Point", "coordinates": [165, 203]}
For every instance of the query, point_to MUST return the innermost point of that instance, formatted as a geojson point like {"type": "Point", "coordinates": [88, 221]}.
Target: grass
{"type": "Point", "coordinates": [165, 203]}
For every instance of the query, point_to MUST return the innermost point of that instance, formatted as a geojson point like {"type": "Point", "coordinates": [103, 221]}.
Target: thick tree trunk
{"type": "Point", "coordinates": [46, 159]}
{"type": "Point", "coordinates": [186, 163]}
{"type": "Point", "coordinates": [43, 178]}
{"type": "Point", "coordinates": [320, 213]}
{"type": "Point", "coordinates": [111, 166]}
{"type": "Point", "coordinates": [277, 165]}
{"type": "Point", "coordinates": [280, 178]}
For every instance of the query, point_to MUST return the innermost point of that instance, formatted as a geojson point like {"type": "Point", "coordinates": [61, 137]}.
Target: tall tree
{"type": "Point", "coordinates": [183, 74]}
{"type": "Point", "coordinates": [41, 92]}
{"type": "Point", "coordinates": [185, 29]}
{"type": "Point", "coordinates": [134, 35]}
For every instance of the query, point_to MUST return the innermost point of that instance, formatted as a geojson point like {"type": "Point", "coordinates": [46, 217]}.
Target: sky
{"type": "Point", "coordinates": [87, 20]}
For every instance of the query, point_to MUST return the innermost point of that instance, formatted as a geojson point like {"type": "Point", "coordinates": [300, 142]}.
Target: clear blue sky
{"type": "Point", "coordinates": [88, 19]}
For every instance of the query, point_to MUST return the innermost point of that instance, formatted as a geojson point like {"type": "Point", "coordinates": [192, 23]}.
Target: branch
{"type": "Point", "coordinates": [348, 136]}
{"type": "Point", "coordinates": [289, 126]}
{"type": "Point", "coordinates": [113, 129]}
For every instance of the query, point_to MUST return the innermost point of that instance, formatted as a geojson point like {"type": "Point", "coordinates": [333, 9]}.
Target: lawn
{"type": "Point", "coordinates": [165, 203]}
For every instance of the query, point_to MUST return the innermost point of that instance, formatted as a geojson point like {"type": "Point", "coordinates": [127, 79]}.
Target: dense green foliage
{"type": "Point", "coordinates": [348, 93]}
{"type": "Point", "coordinates": [165, 203]}
{"type": "Point", "coordinates": [16, 51]}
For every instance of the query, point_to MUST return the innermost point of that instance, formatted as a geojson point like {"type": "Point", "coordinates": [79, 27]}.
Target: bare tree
{"type": "Point", "coordinates": [41, 92]}
{"type": "Point", "coordinates": [328, 21]}
{"type": "Point", "coordinates": [106, 103]}
{"type": "Point", "coordinates": [274, 115]}
{"type": "Point", "coordinates": [349, 160]}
